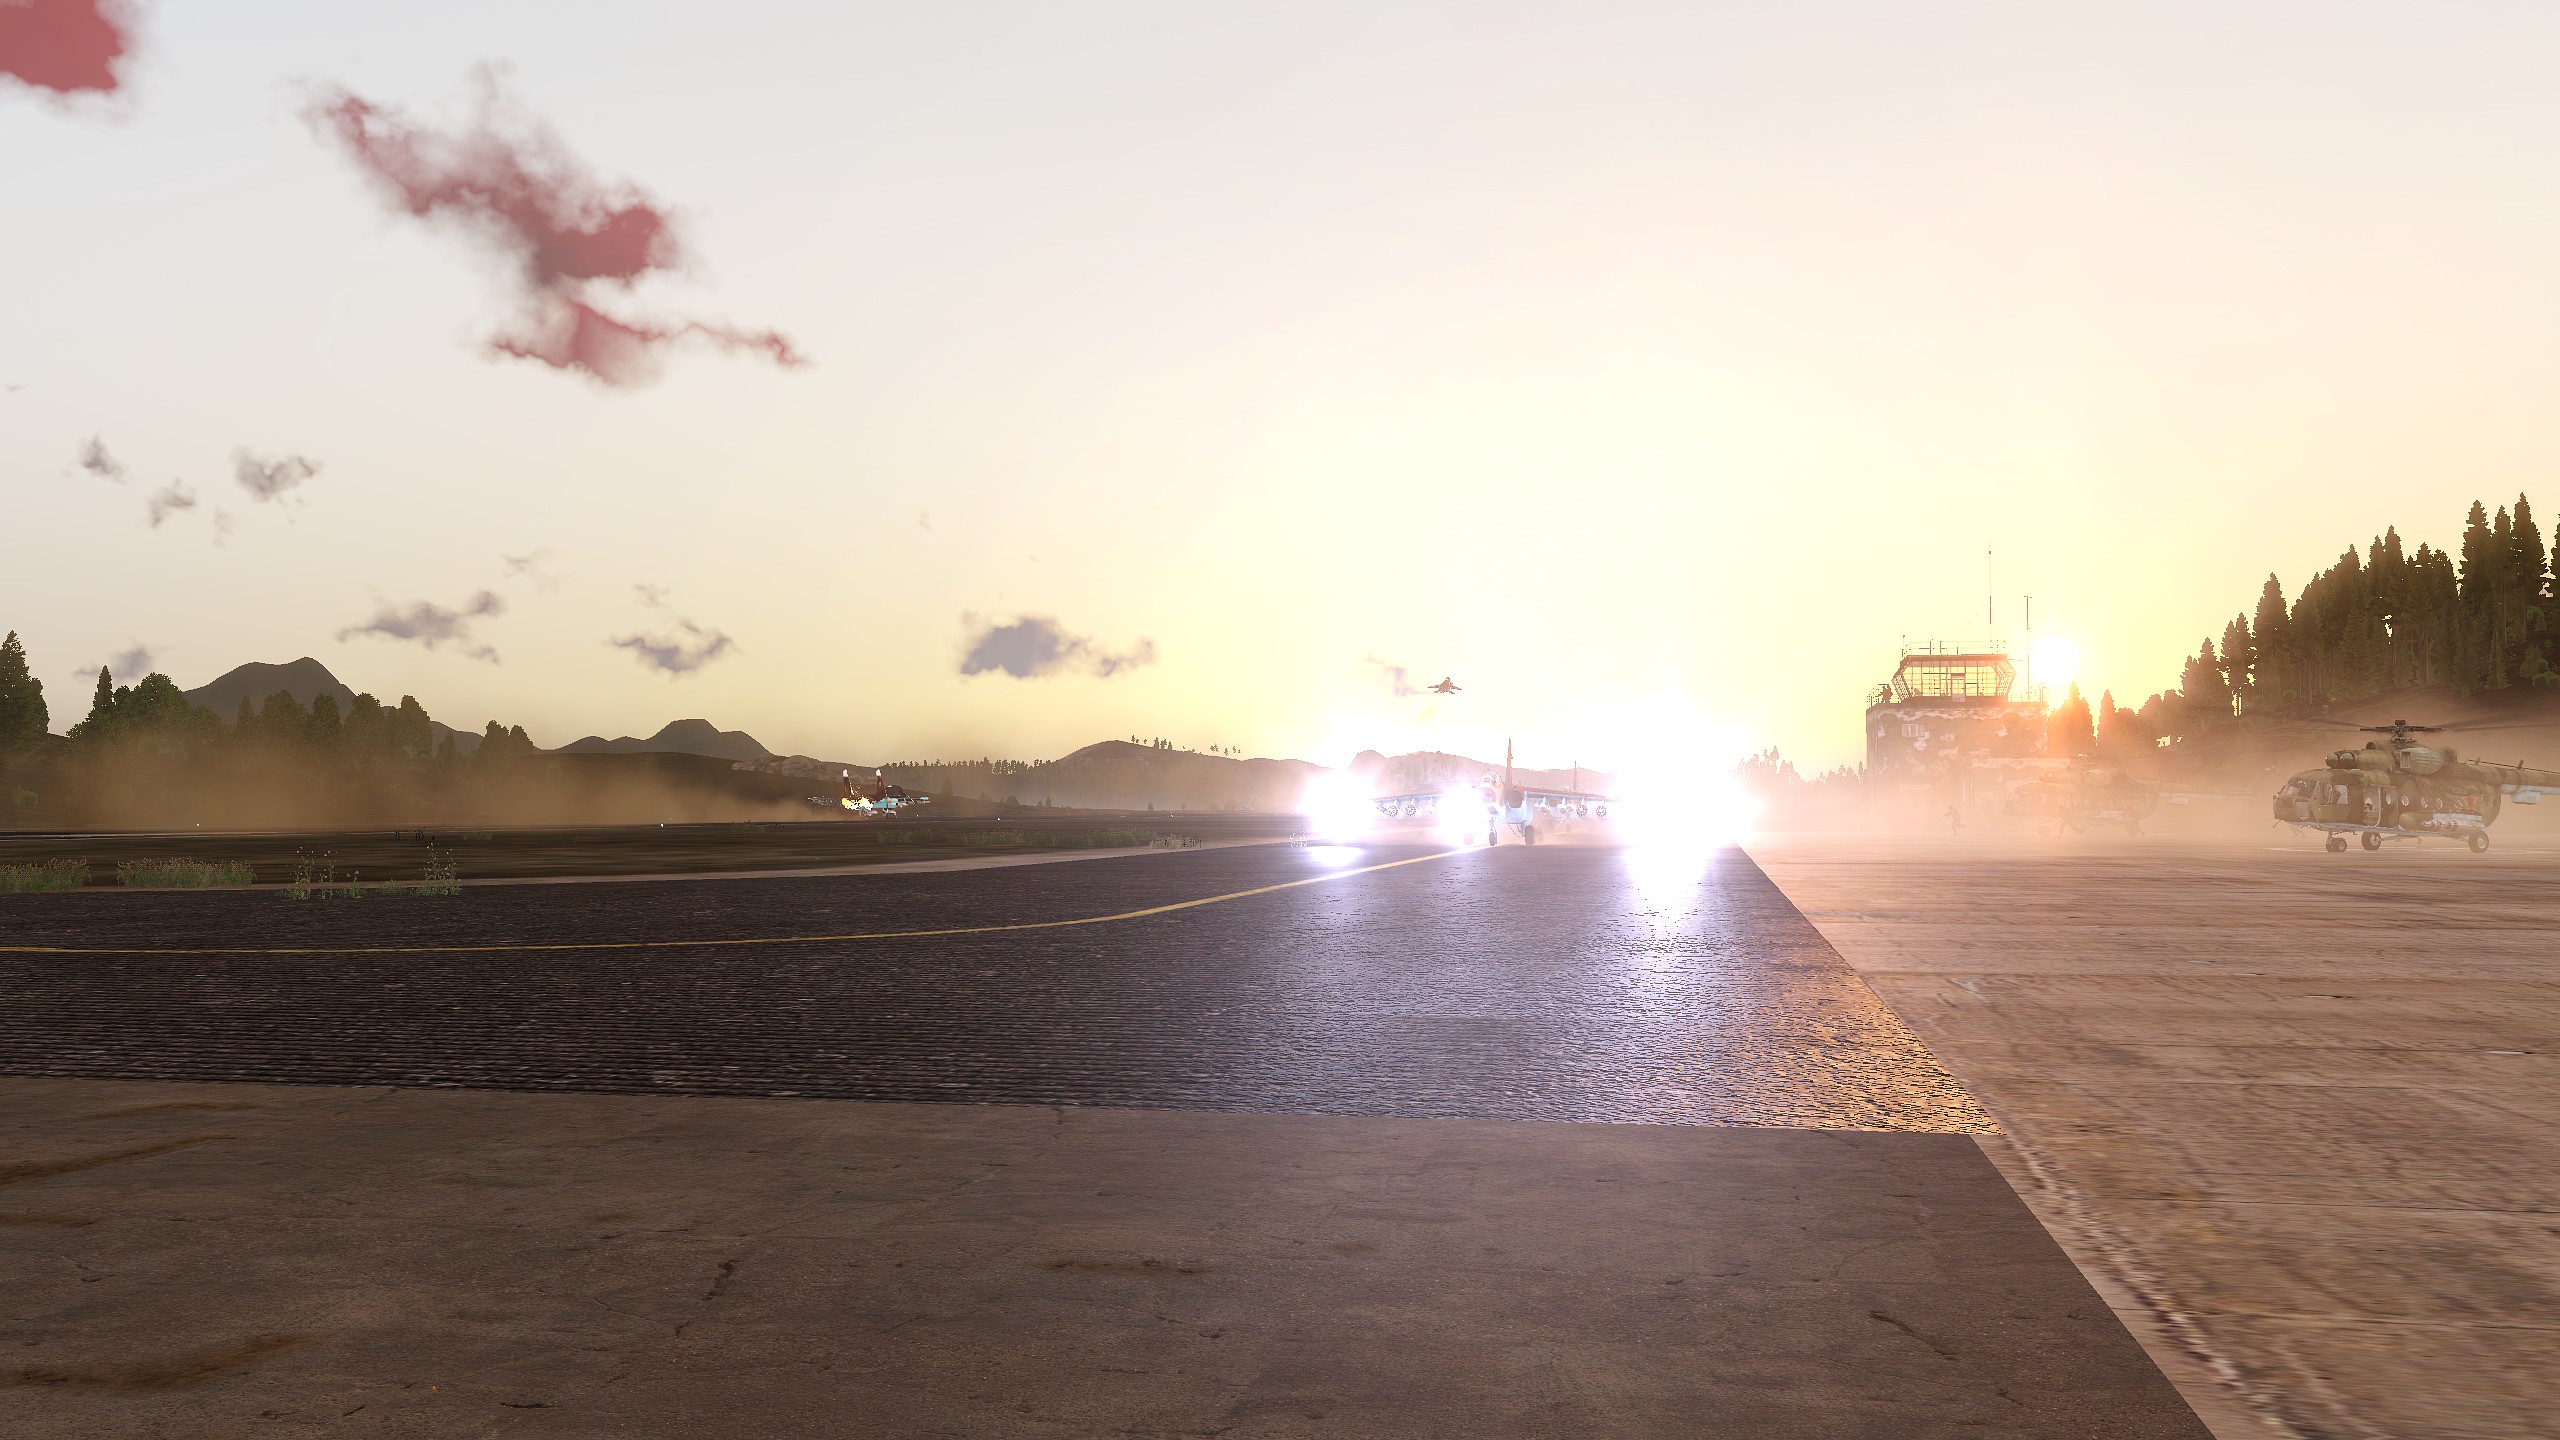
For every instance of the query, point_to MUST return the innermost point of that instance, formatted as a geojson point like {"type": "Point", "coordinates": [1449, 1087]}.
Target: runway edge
{"type": "Point", "coordinates": [2108, 1259]}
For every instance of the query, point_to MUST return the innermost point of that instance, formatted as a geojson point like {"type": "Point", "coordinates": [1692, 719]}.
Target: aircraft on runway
{"type": "Point", "coordinates": [1446, 686]}
{"type": "Point", "coordinates": [881, 798]}
{"type": "Point", "coordinates": [2402, 790]}
{"type": "Point", "coordinates": [1530, 810]}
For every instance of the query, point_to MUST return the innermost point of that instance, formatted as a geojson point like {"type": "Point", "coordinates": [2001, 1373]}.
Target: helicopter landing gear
{"type": "Point", "coordinates": [2337, 844]}
{"type": "Point", "coordinates": [2479, 844]}
{"type": "Point", "coordinates": [2372, 841]}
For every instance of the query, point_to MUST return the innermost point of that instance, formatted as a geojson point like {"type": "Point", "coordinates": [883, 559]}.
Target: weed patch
{"type": "Point", "coordinates": [316, 877]}
{"type": "Point", "coordinates": [181, 874]}
{"type": "Point", "coordinates": [43, 875]}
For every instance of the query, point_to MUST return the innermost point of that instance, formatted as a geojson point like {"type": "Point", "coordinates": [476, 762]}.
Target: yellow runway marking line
{"type": "Point", "coordinates": [707, 944]}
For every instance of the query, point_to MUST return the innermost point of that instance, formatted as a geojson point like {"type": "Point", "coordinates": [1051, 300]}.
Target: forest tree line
{"type": "Point", "coordinates": [2378, 619]}
{"type": "Point", "coordinates": [143, 752]}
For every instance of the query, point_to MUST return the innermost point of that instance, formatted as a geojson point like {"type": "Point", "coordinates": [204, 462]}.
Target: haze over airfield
{"type": "Point", "coordinates": [1625, 363]}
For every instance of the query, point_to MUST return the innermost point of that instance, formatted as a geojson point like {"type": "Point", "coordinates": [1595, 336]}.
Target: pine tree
{"type": "Point", "coordinates": [2208, 699]}
{"type": "Point", "coordinates": [2239, 660]}
{"type": "Point", "coordinates": [102, 709]}
{"type": "Point", "coordinates": [23, 719]}
{"type": "Point", "coordinates": [2067, 731]}
{"type": "Point", "coordinates": [368, 728]}
{"type": "Point", "coordinates": [2477, 581]}
{"type": "Point", "coordinates": [2529, 576]}
{"type": "Point", "coordinates": [2502, 587]}
{"type": "Point", "coordinates": [2272, 677]}
{"type": "Point", "coordinates": [411, 730]}
{"type": "Point", "coordinates": [2388, 570]}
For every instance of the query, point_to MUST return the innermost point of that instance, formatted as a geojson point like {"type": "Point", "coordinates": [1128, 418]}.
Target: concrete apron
{"type": "Point", "coordinates": [2290, 1111]}
{"type": "Point", "coordinates": [197, 1259]}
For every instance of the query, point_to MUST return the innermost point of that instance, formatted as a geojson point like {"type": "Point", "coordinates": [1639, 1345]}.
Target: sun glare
{"type": "Point", "coordinates": [2054, 661]}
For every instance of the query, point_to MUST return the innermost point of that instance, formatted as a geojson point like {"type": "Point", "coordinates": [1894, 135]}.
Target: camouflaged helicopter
{"type": "Point", "coordinates": [2399, 789]}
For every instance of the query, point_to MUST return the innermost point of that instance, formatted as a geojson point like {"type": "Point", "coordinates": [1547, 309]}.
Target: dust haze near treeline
{"type": "Point", "coordinates": [144, 758]}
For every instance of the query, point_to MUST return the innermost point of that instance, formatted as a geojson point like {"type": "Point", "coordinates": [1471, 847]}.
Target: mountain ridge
{"type": "Point", "coordinates": [676, 737]}
{"type": "Point", "coordinates": [305, 680]}
{"type": "Point", "coordinates": [1107, 773]}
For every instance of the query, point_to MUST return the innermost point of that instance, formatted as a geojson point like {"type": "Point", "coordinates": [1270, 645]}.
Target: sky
{"type": "Point", "coordinates": [1200, 371]}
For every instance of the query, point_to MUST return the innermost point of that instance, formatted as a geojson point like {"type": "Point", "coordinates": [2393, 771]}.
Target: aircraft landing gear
{"type": "Point", "coordinates": [2337, 844]}
{"type": "Point", "coordinates": [2372, 841]}
{"type": "Point", "coordinates": [2479, 844]}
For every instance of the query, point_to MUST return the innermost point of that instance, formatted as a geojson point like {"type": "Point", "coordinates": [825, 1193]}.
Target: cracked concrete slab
{"type": "Point", "coordinates": [481, 1263]}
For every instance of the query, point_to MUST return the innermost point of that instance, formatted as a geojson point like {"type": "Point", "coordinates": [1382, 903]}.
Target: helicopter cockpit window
{"type": "Point", "coordinates": [2297, 788]}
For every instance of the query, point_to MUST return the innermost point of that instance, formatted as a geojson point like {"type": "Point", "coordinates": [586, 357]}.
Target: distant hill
{"type": "Point", "coordinates": [1118, 775]}
{"type": "Point", "coordinates": [1114, 774]}
{"type": "Point", "coordinates": [678, 737]}
{"type": "Point", "coordinates": [305, 680]}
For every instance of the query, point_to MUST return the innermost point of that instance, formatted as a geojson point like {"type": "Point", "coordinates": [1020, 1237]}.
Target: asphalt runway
{"type": "Point", "coordinates": [1555, 984]}
{"type": "Point", "coordinates": [1284, 1163]}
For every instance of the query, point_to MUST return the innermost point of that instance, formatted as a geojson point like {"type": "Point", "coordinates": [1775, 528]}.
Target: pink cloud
{"type": "Point", "coordinates": [507, 181]}
{"type": "Point", "coordinates": [63, 45]}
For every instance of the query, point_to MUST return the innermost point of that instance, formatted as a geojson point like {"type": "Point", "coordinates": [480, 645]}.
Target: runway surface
{"type": "Point", "coordinates": [1279, 1163]}
{"type": "Point", "coordinates": [1555, 984]}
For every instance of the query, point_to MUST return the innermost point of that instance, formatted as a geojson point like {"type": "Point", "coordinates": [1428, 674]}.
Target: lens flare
{"type": "Point", "coordinates": [1683, 809]}
{"type": "Point", "coordinates": [1459, 818]}
{"type": "Point", "coordinates": [1337, 807]}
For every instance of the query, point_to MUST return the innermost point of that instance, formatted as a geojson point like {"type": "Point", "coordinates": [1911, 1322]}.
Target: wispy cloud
{"type": "Point", "coordinates": [169, 500]}
{"type": "Point", "coordinates": [96, 463]}
{"type": "Point", "coordinates": [275, 479]}
{"type": "Point", "coordinates": [129, 664]}
{"type": "Point", "coordinates": [534, 569]}
{"type": "Point", "coordinates": [673, 654]}
{"type": "Point", "coordinates": [1036, 645]}
{"type": "Point", "coordinates": [432, 626]}
{"type": "Point", "coordinates": [1398, 680]}
{"type": "Point", "coordinates": [680, 651]}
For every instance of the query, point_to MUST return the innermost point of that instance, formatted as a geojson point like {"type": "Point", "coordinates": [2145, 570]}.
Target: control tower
{"type": "Point", "coordinates": [1946, 729]}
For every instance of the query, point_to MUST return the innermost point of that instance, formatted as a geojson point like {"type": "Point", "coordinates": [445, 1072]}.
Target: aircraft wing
{"type": "Point", "coordinates": [1584, 797]}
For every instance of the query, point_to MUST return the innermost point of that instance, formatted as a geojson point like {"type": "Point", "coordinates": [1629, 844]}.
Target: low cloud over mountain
{"type": "Point", "coordinates": [432, 626]}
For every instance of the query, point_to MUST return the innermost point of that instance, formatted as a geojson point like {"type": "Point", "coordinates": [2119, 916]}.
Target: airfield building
{"type": "Point", "coordinates": [1950, 729]}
